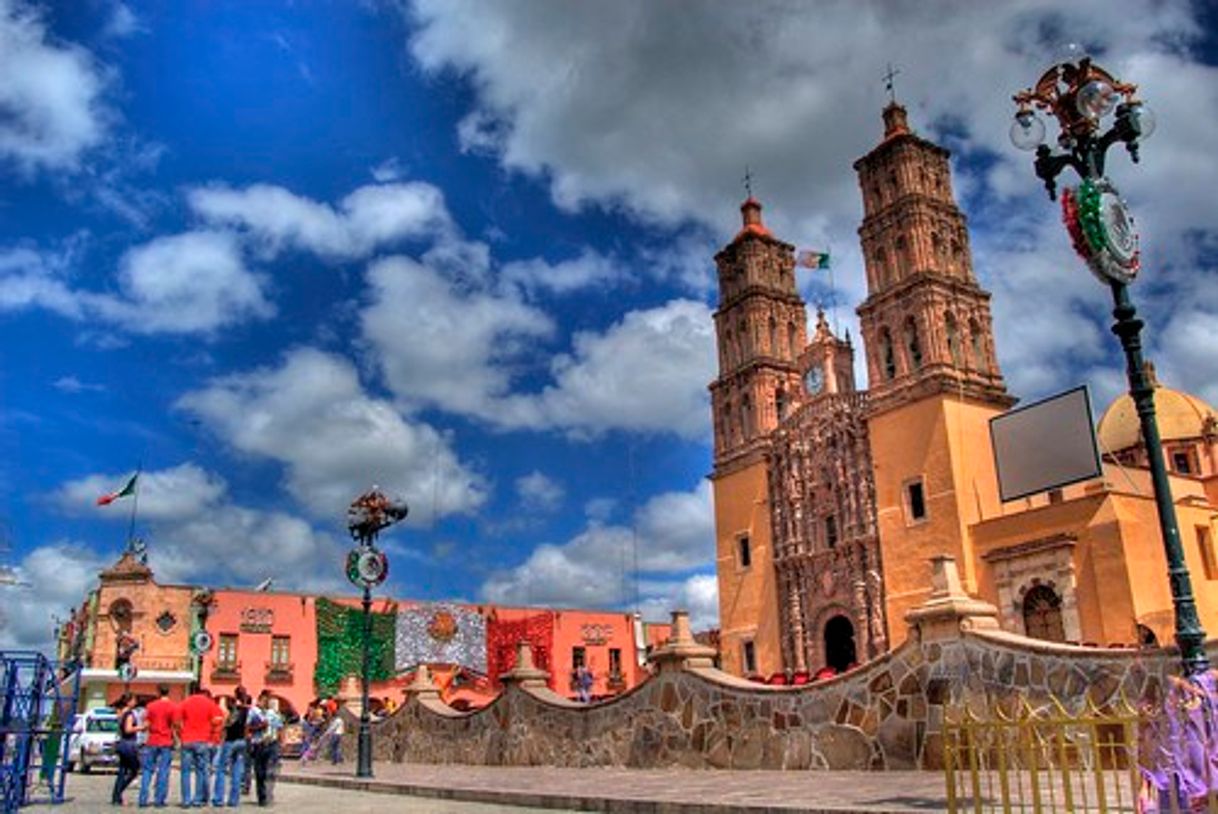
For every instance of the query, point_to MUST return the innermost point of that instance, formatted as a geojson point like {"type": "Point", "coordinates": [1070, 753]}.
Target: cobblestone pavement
{"type": "Point", "coordinates": [649, 791]}
{"type": "Point", "coordinates": [90, 794]}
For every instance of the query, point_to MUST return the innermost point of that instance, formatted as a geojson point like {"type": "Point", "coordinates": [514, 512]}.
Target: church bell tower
{"type": "Point", "coordinates": [761, 328]}
{"type": "Point", "coordinates": [933, 378]}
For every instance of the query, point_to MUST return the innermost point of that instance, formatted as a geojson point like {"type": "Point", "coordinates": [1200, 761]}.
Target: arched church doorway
{"type": "Point", "coordinates": [839, 644]}
{"type": "Point", "coordinates": [1042, 614]}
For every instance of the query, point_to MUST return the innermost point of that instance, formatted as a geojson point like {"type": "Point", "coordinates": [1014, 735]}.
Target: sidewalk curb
{"type": "Point", "coordinates": [609, 805]}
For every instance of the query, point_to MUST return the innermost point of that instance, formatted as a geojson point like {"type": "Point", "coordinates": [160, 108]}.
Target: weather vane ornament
{"type": "Point", "coordinates": [367, 516]}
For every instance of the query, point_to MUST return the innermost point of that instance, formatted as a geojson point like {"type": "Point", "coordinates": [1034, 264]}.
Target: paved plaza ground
{"type": "Point", "coordinates": [431, 789]}
{"type": "Point", "coordinates": [647, 791]}
{"type": "Point", "coordinates": [90, 794]}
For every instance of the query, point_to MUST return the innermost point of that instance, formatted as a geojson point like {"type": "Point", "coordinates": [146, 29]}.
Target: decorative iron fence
{"type": "Point", "coordinates": [1156, 756]}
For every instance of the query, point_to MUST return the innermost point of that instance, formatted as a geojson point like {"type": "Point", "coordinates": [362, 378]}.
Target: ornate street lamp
{"type": "Point", "coordinates": [367, 567]}
{"type": "Point", "coordinates": [1081, 95]}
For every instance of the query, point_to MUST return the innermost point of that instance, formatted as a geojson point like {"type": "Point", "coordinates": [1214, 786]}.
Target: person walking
{"type": "Point", "coordinates": [158, 748]}
{"type": "Point", "coordinates": [265, 728]}
{"type": "Point", "coordinates": [197, 715]}
{"type": "Point", "coordinates": [128, 749]}
{"type": "Point", "coordinates": [232, 752]}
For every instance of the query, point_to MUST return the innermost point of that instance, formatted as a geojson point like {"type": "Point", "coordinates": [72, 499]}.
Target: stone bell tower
{"type": "Point", "coordinates": [933, 378]}
{"type": "Point", "coordinates": [761, 328]}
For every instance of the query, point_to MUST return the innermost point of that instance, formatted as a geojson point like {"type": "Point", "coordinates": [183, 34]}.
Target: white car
{"type": "Point", "coordinates": [94, 740]}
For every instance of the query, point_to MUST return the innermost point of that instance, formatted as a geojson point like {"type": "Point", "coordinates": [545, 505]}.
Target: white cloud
{"type": "Point", "coordinates": [655, 109]}
{"type": "Point", "coordinates": [54, 579]}
{"type": "Point", "coordinates": [369, 218]}
{"type": "Point", "coordinates": [645, 373]}
{"type": "Point", "coordinates": [196, 534]}
{"type": "Point", "coordinates": [673, 534]}
{"type": "Point", "coordinates": [439, 345]}
{"type": "Point", "coordinates": [312, 415]}
{"type": "Point", "coordinates": [191, 283]}
{"type": "Point", "coordinates": [195, 282]}
{"type": "Point", "coordinates": [50, 94]}
{"type": "Point", "coordinates": [587, 270]}
{"type": "Point", "coordinates": [698, 594]}
{"type": "Point", "coordinates": [123, 22]}
{"type": "Point", "coordinates": [460, 348]}
{"type": "Point", "coordinates": [539, 493]}
{"type": "Point", "coordinates": [182, 492]}
{"type": "Point", "coordinates": [32, 279]}
{"type": "Point", "coordinates": [73, 385]}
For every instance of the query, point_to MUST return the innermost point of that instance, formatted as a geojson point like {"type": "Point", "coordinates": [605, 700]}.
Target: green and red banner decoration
{"type": "Point", "coordinates": [126, 491]}
{"type": "Point", "coordinates": [1102, 230]}
{"type": "Point", "coordinates": [340, 636]}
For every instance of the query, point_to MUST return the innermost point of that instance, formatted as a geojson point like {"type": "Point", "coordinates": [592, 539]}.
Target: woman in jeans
{"type": "Point", "coordinates": [128, 749]}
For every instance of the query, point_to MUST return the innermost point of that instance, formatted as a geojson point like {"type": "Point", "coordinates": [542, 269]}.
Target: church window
{"type": "Point", "coordinates": [877, 197]}
{"type": "Point", "coordinates": [887, 358]}
{"type": "Point", "coordinates": [792, 339]}
{"type": "Point", "coordinates": [746, 417]}
{"type": "Point", "coordinates": [1042, 614]}
{"type": "Point", "coordinates": [912, 344]}
{"type": "Point", "coordinates": [978, 348]}
{"type": "Point", "coordinates": [915, 500]}
{"type": "Point", "coordinates": [744, 549]}
{"type": "Point", "coordinates": [728, 350]}
{"type": "Point", "coordinates": [881, 267]}
{"type": "Point", "coordinates": [905, 263]}
{"type": "Point", "coordinates": [1182, 462]}
{"type": "Point", "coordinates": [780, 403]}
{"type": "Point", "coordinates": [831, 531]}
{"type": "Point", "coordinates": [1206, 545]}
{"type": "Point", "coordinates": [953, 338]}
{"type": "Point", "coordinates": [750, 658]}
{"type": "Point", "coordinates": [774, 338]}
{"type": "Point", "coordinates": [936, 244]}
{"type": "Point", "coordinates": [892, 183]}
{"type": "Point", "coordinates": [1146, 636]}
{"type": "Point", "coordinates": [743, 333]}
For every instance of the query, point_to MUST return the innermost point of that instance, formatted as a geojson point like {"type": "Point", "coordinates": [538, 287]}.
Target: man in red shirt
{"type": "Point", "coordinates": [158, 749]}
{"type": "Point", "coordinates": [198, 716]}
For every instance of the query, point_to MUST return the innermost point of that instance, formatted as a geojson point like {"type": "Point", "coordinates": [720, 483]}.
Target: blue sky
{"type": "Point", "coordinates": [278, 252]}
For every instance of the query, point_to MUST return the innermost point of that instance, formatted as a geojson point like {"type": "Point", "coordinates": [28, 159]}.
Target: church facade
{"type": "Point", "coordinates": [831, 500]}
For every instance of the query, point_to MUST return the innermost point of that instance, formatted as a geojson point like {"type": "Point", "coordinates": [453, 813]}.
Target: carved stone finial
{"type": "Point", "coordinates": [423, 686]}
{"type": "Point", "coordinates": [949, 610]}
{"type": "Point", "coordinates": [525, 673]}
{"type": "Point", "coordinates": [681, 651]}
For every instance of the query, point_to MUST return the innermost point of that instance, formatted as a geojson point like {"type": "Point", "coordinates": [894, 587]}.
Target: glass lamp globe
{"type": "Point", "coordinates": [1142, 120]}
{"type": "Point", "coordinates": [1027, 131]}
{"type": "Point", "coordinates": [1096, 99]}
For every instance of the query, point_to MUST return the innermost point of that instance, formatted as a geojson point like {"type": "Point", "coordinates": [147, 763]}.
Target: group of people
{"type": "Point", "coordinates": [322, 732]}
{"type": "Point", "coordinates": [215, 740]}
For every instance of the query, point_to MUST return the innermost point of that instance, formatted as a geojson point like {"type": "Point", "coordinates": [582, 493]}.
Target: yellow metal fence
{"type": "Point", "coordinates": [1014, 757]}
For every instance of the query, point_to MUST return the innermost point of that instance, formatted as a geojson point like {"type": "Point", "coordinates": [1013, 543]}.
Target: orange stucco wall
{"type": "Point", "coordinates": [946, 443]}
{"type": "Point", "coordinates": [748, 603]}
{"type": "Point", "coordinates": [291, 615]}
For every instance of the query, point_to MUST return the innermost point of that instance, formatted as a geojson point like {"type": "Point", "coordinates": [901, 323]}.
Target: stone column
{"type": "Point", "coordinates": [525, 673]}
{"type": "Point", "coordinates": [795, 614]}
{"type": "Point", "coordinates": [681, 652]}
{"type": "Point", "coordinates": [423, 687]}
{"type": "Point", "coordinates": [949, 610]}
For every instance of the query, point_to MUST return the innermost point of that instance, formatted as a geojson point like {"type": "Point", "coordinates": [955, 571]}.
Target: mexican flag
{"type": "Point", "coordinates": [813, 259]}
{"type": "Point", "coordinates": [129, 489]}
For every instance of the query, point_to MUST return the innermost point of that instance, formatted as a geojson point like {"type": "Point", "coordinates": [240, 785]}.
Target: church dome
{"type": "Point", "coordinates": [1181, 416]}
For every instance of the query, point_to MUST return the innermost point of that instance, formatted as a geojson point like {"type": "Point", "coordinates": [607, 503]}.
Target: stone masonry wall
{"type": "Point", "coordinates": [885, 715]}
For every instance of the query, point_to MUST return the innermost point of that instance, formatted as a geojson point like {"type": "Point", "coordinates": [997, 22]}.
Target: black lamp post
{"type": "Point", "coordinates": [367, 566]}
{"type": "Point", "coordinates": [1080, 95]}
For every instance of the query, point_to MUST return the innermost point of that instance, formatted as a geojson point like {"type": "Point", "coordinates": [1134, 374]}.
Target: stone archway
{"type": "Point", "coordinates": [841, 652]}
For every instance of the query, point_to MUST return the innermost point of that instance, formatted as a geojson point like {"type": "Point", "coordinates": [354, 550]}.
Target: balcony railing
{"type": "Point", "coordinates": [226, 671]}
{"type": "Point", "coordinates": [279, 672]}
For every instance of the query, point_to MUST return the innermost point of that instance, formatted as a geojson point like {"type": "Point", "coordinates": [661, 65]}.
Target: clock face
{"type": "Point", "coordinates": [814, 380]}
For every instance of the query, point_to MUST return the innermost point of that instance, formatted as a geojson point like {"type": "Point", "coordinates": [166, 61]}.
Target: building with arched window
{"type": "Point", "coordinates": [846, 494]}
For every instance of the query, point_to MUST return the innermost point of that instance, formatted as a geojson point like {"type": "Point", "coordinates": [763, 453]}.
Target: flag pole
{"type": "Point", "coordinates": [135, 504]}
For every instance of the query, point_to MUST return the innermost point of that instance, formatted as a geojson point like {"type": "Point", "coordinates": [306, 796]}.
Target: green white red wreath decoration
{"type": "Point", "coordinates": [1102, 230]}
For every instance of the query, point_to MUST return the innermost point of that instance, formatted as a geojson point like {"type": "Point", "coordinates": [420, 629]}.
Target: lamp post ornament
{"type": "Point", "coordinates": [1080, 95]}
{"type": "Point", "coordinates": [367, 566]}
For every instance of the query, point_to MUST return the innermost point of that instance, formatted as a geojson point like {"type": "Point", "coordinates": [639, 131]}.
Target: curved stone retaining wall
{"type": "Point", "coordinates": [887, 714]}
